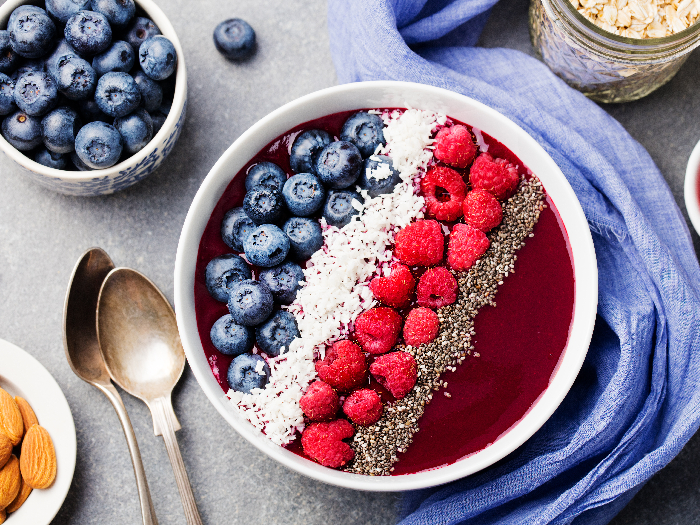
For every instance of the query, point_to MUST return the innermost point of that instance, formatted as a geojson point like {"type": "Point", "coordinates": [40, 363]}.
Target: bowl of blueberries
{"type": "Point", "coordinates": [93, 93]}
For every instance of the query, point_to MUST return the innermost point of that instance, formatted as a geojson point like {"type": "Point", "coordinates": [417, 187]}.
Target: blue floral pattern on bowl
{"type": "Point", "coordinates": [106, 184]}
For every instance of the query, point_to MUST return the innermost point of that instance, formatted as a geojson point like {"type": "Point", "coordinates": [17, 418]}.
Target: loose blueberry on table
{"type": "Point", "coordinates": [235, 39]}
{"type": "Point", "coordinates": [81, 55]}
{"type": "Point", "coordinates": [418, 329]}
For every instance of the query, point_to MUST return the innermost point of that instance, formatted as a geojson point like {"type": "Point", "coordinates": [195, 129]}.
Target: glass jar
{"type": "Point", "coordinates": [604, 66]}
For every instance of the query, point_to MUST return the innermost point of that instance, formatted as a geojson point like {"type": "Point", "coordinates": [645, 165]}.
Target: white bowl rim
{"type": "Point", "coordinates": [691, 187]}
{"type": "Point", "coordinates": [531, 154]}
{"type": "Point", "coordinates": [179, 98]}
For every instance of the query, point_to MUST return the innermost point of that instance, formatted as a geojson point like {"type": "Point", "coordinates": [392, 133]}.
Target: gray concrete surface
{"type": "Point", "coordinates": [42, 234]}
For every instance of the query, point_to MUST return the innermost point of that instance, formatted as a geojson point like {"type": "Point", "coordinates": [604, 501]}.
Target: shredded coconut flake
{"type": "Point", "coordinates": [336, 287]}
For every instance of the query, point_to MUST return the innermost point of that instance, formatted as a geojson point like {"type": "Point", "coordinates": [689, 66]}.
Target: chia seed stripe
{"type": "Point", "coordinates": [376, 446]}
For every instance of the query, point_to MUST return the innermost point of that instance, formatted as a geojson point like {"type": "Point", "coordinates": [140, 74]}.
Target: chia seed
{"type": "Point", "coordinates": [376, 446]}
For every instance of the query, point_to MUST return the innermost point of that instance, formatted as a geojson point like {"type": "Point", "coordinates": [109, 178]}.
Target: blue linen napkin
{"type": "Point", "coordinates": [636, 401]}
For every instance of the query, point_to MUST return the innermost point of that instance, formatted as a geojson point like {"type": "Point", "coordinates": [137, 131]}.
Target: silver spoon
{"type": "Point", "coordinates": [83, 354]}
{"type": "Point", "coordinates": [141, 347]}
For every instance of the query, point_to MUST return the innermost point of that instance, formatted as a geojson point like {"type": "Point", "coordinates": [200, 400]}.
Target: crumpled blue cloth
{"type": "Point", "coordinates": [636, 401]}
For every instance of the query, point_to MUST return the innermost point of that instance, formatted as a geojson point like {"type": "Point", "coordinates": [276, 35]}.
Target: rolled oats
{"type": "Point", "coordinates": [640, 18]}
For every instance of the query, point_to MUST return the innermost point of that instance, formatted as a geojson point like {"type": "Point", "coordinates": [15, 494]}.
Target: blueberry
{"type": "Point", "coordinates": [266, 246]}
{"type": "Point", "coordinates": [303, 194]}
{"type": "Point", "coordinates": [88, 32]}
{"type": "Point", "coordinates": [383, 167]}
{"type": "Point", "coordinates": [235, 228]}
{"type": "Point", "coordinates": [140, 30]}
{"type": "Point", "coordinates": [283, 281]}
{"type": "Point", "coordinates": [250, 302]}
{"type": "Point", "coordinates": [50, 159]}
{"type": "Point", "coordinates": [118, 57]}
{"type": "Point", "coordinates": [62, 51]}
{"type": "Point", "coordinates": [267, 174]}
{"type": "Point", "coordinates": [339, 164]}
{"type": "Point", "coordinates": [136, 130]}
{"type": "Point", "coordinates": [277, 332]}
{"type": "Point", "coordinates": [9, 59]}
{"type": "Point", "coordinates": [59, 129]}
{"type": "Point", "coordinates": [23, 10]}
{"type": "Point", "coordinates": [22, 131]}
{"type": "Point", "coordinates": [243, 375]}
{"type": "Point", "coordinates": [158, 57]}
{"type": "Point", "coordinates": [98, 145]}
{"type": "Point", "coordinates": [36, 93]}
{"type": "Point", "coordinates": [263, 205]}
{"type": "Point", "coordinates": [79, 164]}
{"type": "Point", "coordinates": [305, 236]}
{"type": "Point", "coordinates": [7, 95]}
{"type": "Point", "coordinates": [338, 209]}
{"type": "Point", "coordinates": [89, 111]}
{"type": "Point", "coordinates": [305, 149]}
{"type": "Point", "coordinates": [62, 10]}
{"type": "Point", "coordinates": [151, 92]}
{"type": "Point", "coordinates": [76, 78]}
{"type": "Point", "coordinates": [235, 39]}
{"type": "Point", "coordinates": [364, 130]}
{"type": "Point", "coordinates": [117, 94]}
{"type": "Point", "coordinates": [32, 33]}
{"type": "Point", "coordinates": [118, 12]}
{"type": "Point", "coordinates": [231, 338]}
{"type": "Point", "coordinates": [158, 121]}
{"type": "Point", "coordinates": [223, 272]}
{"type": "Point", "coordinates": [35, 65]}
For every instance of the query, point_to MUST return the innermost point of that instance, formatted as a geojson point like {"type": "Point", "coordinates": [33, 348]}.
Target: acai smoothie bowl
{"type": "Point", "coordinates": [385, 286]}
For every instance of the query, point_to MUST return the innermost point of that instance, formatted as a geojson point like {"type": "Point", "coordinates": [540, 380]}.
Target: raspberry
{"type": "Point", "coordinates": [444, 191]}
{"type": "Point", "coordinates": [396, 372]}
{"type": "Point", "coordinates": [344, 367]}
{"type": "Point", "coordinates": [482, 210]}
{"type": "Point", "coordinates": [421, 326]}
{"type": "Point", "coordinates": [377, 329]}
{"type": "Point", "coordinates": [323, 442]}
{"type": "Point", "coordinates": [455, 146]}
{"type": "Point", "coordinates": [396, 289]}
{"type": "Point", "coordinates": [497, 176]}
{"type": "Point", "coordinates": [421, 243]}
{"type": "Point", "coordinates": [320, 402]}
{"type": "Point", "coordinates": [437, 287]}
{"type": "Point", "coordinates": [364, 407]}
{"type": "Point", "coordinates": [467, 244]}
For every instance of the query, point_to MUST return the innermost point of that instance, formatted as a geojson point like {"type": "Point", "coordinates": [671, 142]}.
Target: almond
{"type": "Point", "coordinates": [38, 458]}
{"type": "Point", "coordinates": [10, 481]}
{"type": "Point", "coordinates": [5, 449]}
{"type": "Point", "coordinates": [21, 497]}
{"type": "Point", "coordinates": [28, 415]}
{"type": "Point", "coordinates": [10, 418]}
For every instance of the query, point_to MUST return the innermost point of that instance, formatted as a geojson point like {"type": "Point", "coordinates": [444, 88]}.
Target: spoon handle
{"type": "Point", "coordinates": [148, 513]}
{"type": "Point", "coordinates": [164, 416]}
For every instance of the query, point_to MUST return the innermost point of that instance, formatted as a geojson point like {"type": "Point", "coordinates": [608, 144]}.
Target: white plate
{"type": "Point", "coordinates": [692, 176]}
{"type": "Point", "coordinates": [22, 375]}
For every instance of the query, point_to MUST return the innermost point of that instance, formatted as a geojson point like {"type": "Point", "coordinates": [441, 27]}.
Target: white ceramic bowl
{"type": "Point", "coordinates": [691, 190]}
{"type": "Point", "coordinates": [136, 167]}
{"type": "Point", "coordinates": [383, 95]}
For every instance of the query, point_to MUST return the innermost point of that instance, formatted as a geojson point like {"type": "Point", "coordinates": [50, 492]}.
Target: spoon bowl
{"type": "Point", "coordinates": [83, 354]}
{"type": "Point", "coordinates": [138, 335]}
{"type": "Point", "coordinates": [141, 347]}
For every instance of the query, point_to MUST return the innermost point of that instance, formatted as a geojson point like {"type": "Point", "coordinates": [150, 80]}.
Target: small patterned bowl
{"type": "Point", "coordinates": [136, 167]}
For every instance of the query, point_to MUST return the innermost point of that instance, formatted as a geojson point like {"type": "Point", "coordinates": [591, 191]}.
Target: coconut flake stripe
{"type": "Point", "coordinates": [336, 288]}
